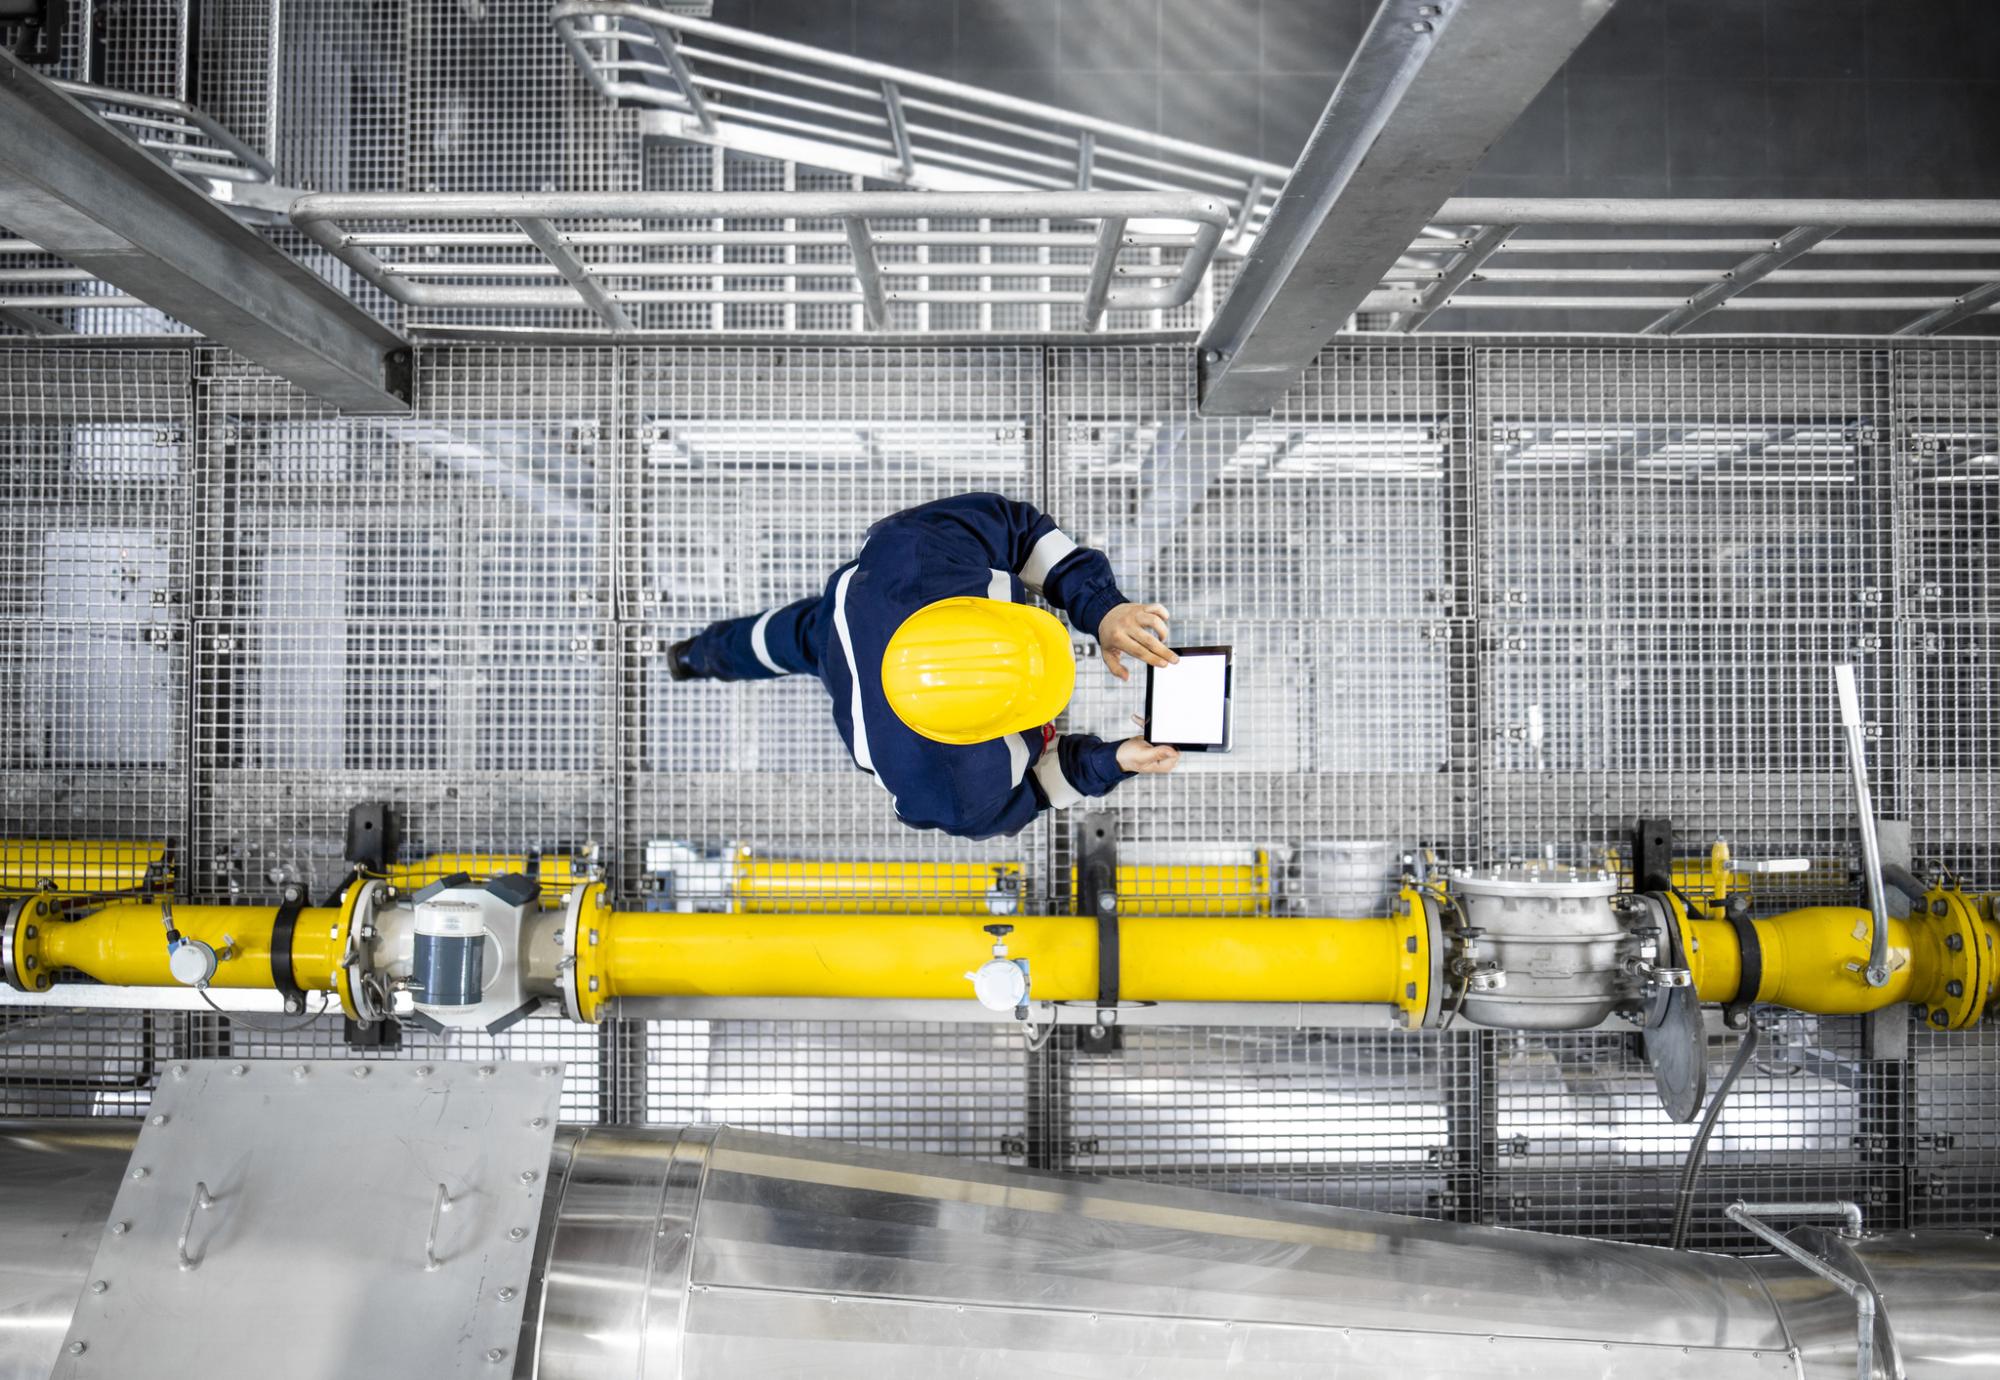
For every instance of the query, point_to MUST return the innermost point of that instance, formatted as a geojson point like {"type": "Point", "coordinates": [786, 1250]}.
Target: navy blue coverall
{"type": "Point", "coordinates": [973, 544]}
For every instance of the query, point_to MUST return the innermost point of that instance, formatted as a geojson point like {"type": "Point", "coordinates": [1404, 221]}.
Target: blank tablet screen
{"type": "Point", "coordinates": [1189, 701]}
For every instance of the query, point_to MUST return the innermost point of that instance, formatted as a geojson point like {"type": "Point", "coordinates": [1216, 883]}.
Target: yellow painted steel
{"type": "Point", "coordinates": [80, 866]}
{"type": "Point", "coordinates": [765, 885]}
{"type": "Point", "coordinates": [125, 944]}
{"type": "Point", "coordinates": [1943, 958]}
{"type": "Point", "coordinates": [1204, 889]}
{"type": "Point", "coordinates": [1162, 958]}
{"type": "Point", "coordinates": [557, 872]}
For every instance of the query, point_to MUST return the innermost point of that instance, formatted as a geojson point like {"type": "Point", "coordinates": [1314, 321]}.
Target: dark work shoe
{"type": "Point", "coordinates": [678, 665]}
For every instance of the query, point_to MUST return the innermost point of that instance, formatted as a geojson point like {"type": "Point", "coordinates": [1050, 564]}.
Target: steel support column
{"type": "Point", "coordinates": [82, 191]}
{"type": "Point", "coordinates": [1431, 89]}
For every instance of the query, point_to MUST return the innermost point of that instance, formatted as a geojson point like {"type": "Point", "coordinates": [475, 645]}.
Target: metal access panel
{"type": "Point", "coordinates": [321, 1219]}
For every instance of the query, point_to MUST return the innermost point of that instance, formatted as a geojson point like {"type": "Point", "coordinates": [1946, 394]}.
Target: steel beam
{"type": "Point", "coordinates": [1431, 88]}
{"type": "Point", "coordinates": [84, 192]}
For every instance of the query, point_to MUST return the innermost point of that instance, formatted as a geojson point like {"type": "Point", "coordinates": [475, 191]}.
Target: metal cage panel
{"type": "Point", "coordinates": [1493, 596]}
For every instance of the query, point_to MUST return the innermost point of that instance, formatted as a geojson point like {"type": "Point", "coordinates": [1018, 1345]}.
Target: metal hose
{"type": "Point", "coordinates": [1691, 1170]}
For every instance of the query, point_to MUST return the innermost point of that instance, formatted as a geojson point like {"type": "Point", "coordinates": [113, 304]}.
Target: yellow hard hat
{"type": "Point", "coordinates": [970, 670]}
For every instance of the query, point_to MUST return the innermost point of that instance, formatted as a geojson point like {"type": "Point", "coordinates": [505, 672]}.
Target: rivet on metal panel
{"type": "Point", "coordinates": [76, 1348]}
{"type": "Point", "coordinates": [98, 1286]}
{"type": "Point", "coordinates": [516, 1233]}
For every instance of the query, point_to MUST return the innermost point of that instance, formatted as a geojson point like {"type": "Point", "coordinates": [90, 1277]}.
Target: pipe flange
{"type": "Point", "coordinates": [359, 1000]}
{"type": "Point", "coordinates": [9, 927]}
{"type": "Point", "coordinates": [1433, 943]}
{"type": "Point", "coordinates": [1962, 995]}
{"type": "Point", "coordinates": [1417, 954]}
{"type": "Point", "coordinates": [583, 985]}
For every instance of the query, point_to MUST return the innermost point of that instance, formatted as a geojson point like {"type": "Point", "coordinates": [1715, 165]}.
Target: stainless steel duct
{"type": "Point", "coordinates": [710, 1252]}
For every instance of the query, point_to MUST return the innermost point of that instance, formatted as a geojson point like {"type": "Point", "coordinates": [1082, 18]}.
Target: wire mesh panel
{"type": "Point", "coordinates": [963, 1090]}
{"type": "Point", "coordinates": [1328, 546]}
{"type": "Point", "coordinates": [95, 456]}
{"type": "Point", "coordinates": [413, 608]}
{"type": "Point", "coordinates": [1358, 1118]}
{"type": "Point", "coordinates": [57, 1063]}
{"type": "Point", "coordinates": [1679, 545]}
{"type": "Point", "coordinates": [1580, 1142]}
{"type": "Point", "coordinates": [1488, 599]}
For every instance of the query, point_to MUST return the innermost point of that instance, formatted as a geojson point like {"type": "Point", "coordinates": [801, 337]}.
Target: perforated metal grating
{"type": "Point", "coordinates": [1490, 597]}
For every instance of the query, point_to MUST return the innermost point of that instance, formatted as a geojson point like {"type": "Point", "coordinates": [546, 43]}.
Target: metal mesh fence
{"type": "Point", "coordinates": [1490, 598]}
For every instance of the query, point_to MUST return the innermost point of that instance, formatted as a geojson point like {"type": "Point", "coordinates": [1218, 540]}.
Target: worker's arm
{"type": "Point", "coordinates": [1076, 766]}
{"type": "Point", "coordinates": [1017, 537]}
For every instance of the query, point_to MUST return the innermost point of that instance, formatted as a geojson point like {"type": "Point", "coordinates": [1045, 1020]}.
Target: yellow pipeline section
{"type": "Point", "coordinates": [1945, 958]}
{"type": "Point", "coordinates": [919, 957]}
{"type": "Point", "coordinates": [82, 865]}
{"type": "Point", "coordinates": [125, 944]}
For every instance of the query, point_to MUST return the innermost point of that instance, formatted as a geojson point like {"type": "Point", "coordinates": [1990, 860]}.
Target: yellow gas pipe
{"type": "Point", "coordinates": [1161, 958]}
{"type": "Point", "coordinates": [125, 944]}
{"type": "Point", "coordinates": [81, 865]}
{"type": "Point", "coordinates": [1945, 958]}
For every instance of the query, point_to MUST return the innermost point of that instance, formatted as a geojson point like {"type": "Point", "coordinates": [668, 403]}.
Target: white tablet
{"type": "Point", "coordinates": [1187, 703]}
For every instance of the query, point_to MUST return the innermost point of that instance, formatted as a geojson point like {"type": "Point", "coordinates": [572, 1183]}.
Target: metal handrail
{"type": "Point", "coordinates": [831, 110]}
{"type": "Point", "coordinates": [1133, 250]}
{"type": "Point", "coordinates": [173, 139]}
{"type": "Point", "coordinates": [1491, 250]}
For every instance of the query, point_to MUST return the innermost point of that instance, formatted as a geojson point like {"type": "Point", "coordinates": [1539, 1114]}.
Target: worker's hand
{"type": "Point", "coordinates": [1140, 629]}
{"type": "Point", "coordinates": [1136, 754]}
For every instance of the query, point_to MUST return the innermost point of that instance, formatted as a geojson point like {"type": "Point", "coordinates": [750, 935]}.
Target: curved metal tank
{"type": "Point", "coordinates": [707, 1252]}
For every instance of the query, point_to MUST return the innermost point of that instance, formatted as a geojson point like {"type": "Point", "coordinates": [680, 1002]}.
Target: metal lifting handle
{"type": "Point", "coordinates": [440, 1205]}
{"type": "Point", "coordinates": [1877, 972]}
{"type": "Point", "coordinates": [1867, 1302]}
{"type": "Point", "coordinates": [201, 1202]}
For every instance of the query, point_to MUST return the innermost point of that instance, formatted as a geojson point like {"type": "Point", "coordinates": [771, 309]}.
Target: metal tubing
{"type": "Point", "coordinates": [1867, 1302]}
{"type": "Point", "coordinates": [867, 272]}
{"type": "Point", "coordinates": [899, 132]}
{"type": "Point", "coordinates": [1743, 276]}
{"type": "Point", "coordinates": [1477, 251]}
{"type": "Point", "coordinates": [907, 80]}
{"type": "Point", "coordinates": [1851, 728]}
{"type": "Point", "coordinates": [1650, 211]}
{"type": "Point", "coordinates": [1163, 285]}
{"type": "Point", "coordinates": [566, 263]}
{"type": "Point", "coordinates": [1966, 307]}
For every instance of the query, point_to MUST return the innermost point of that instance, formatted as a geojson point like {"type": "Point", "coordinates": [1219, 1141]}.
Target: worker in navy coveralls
{"type": "Point", "coordinates": [944, 681]}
